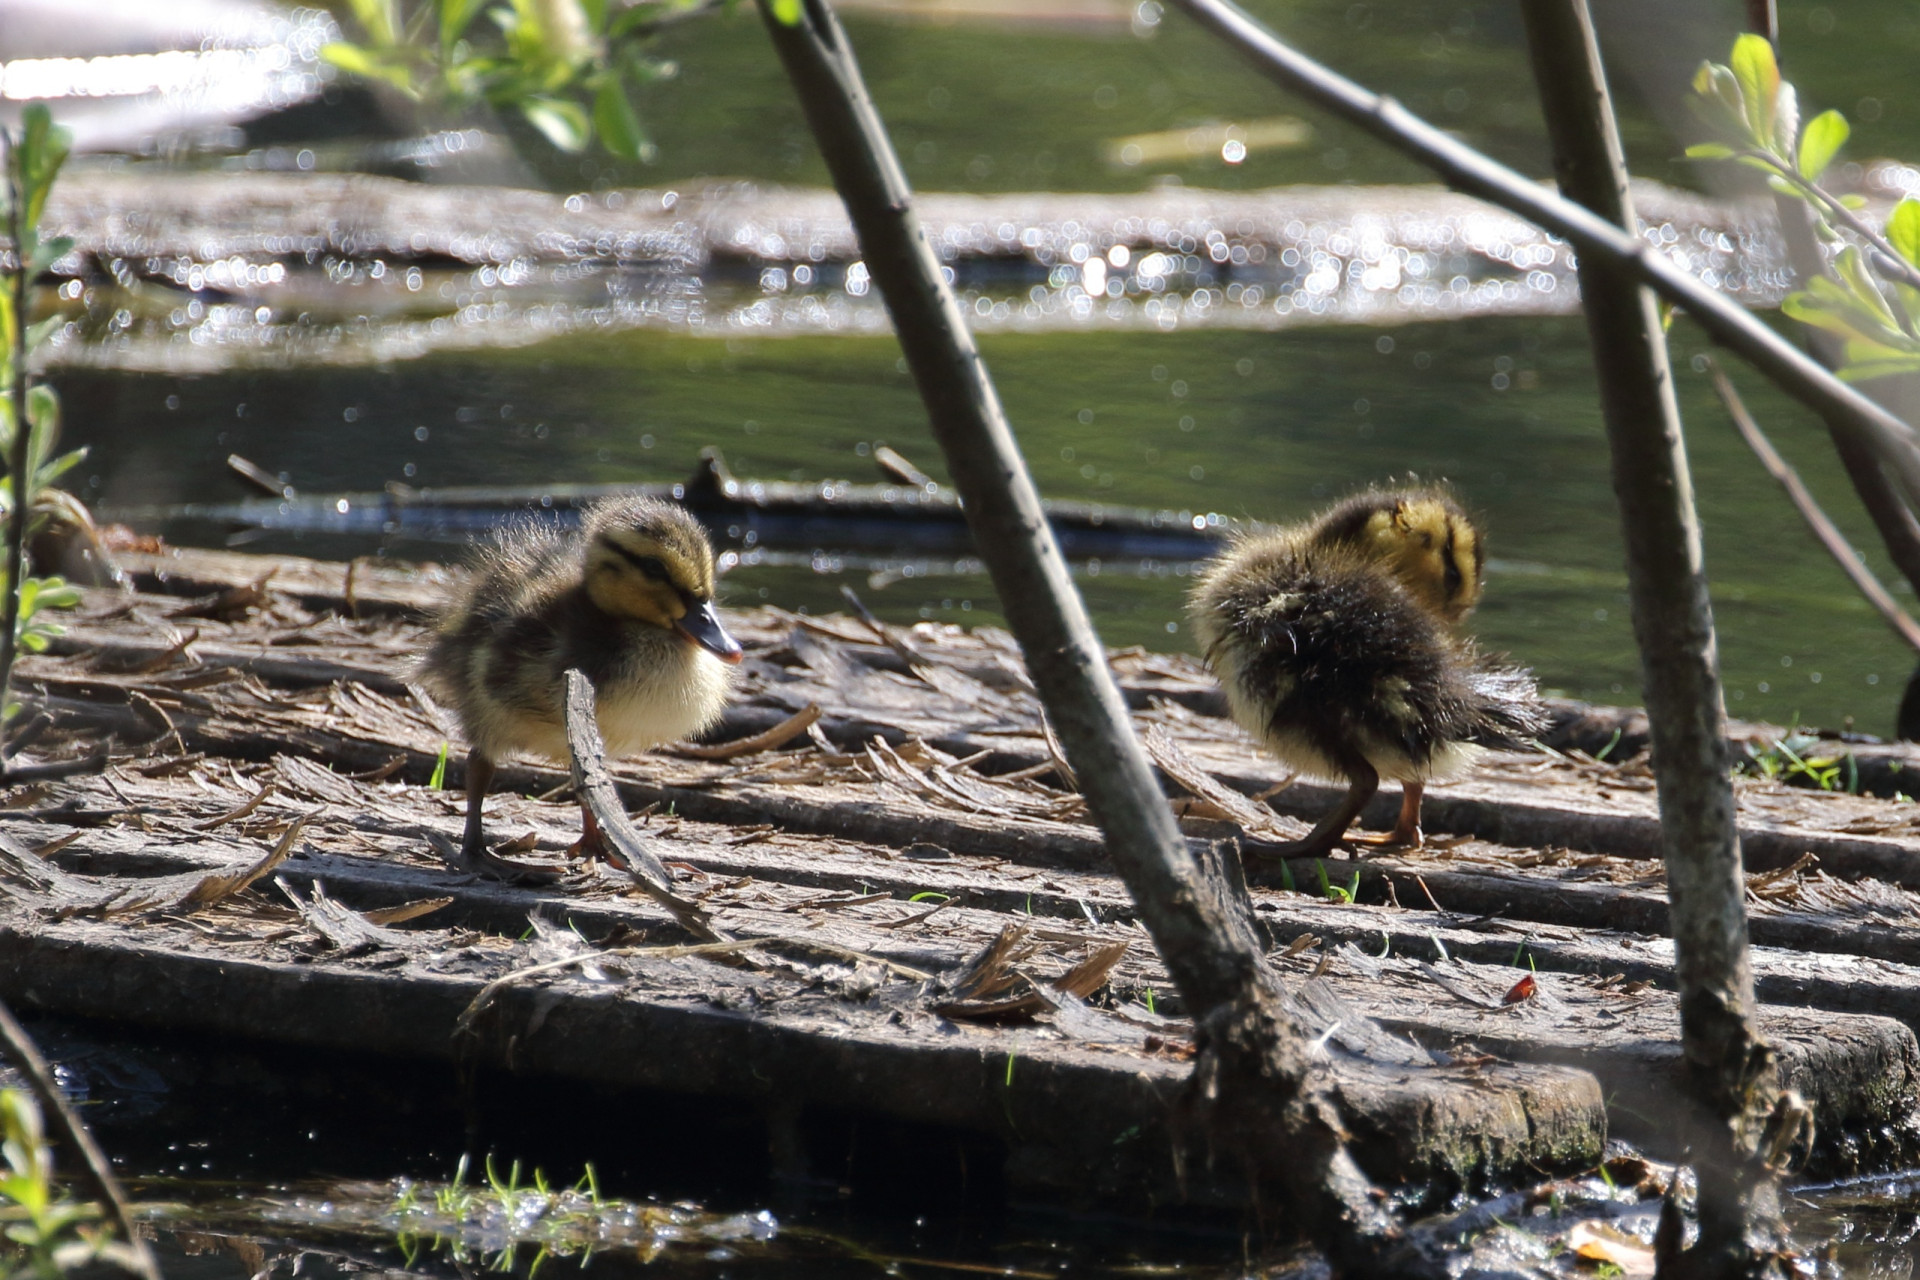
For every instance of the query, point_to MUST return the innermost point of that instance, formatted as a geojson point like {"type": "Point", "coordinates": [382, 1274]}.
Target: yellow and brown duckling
{"type": "Point", "coordinates": [628, 599]}
{"type": "Point", "coordinates": [1334, 642]}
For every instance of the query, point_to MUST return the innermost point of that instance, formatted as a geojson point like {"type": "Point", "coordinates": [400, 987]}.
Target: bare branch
{"type": "Point", "coordinates": [1823, 528]}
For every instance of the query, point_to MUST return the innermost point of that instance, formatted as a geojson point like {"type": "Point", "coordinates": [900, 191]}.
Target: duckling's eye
{"type": "Point", "coordinates": [651, 566]}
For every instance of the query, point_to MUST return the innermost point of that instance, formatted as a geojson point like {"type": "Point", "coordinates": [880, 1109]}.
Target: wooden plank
{"type": "Point", "coordinates": [1087, 1121]}
{"type": "Point", "coordinates": [1860, 1073]}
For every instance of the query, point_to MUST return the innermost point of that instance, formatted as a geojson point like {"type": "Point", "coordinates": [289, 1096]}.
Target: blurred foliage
{"type": "Point", "coordinates": [43, 1234]}
{"type": "Point", "coordinates": [568, 67]}
{"type": "Point", "coordinates": [33, 160]}
{"type": "Point", "coordinates": [1872, 298]}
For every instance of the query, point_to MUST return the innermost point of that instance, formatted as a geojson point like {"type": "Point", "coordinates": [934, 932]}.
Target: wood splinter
{"type": "Point", "coordinates": [604, 817]}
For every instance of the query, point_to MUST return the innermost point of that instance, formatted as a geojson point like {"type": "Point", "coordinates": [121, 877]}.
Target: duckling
{"type": "Point", "coordinates": [1334, 642]}
{"type": "Point", "coordinates": [628, 599]}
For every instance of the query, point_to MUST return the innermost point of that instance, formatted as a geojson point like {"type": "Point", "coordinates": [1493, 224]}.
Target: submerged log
{"type": "Point", "coordinates": [912, 518]}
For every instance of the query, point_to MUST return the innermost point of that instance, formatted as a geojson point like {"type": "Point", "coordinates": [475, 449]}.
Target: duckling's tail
{"type": "Point", "coordinates": [1507, 714]}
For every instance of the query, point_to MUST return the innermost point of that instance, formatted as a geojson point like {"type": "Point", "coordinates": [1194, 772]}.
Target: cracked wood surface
{"type": "Point", "coordinates": [926, 777]}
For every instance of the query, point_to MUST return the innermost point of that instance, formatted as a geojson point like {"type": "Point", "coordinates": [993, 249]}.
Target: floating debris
{"type": "Point", "coordinates": [185, 272]}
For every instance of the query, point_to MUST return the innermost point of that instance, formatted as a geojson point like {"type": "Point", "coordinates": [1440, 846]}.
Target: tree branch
{"type": "Point", "coordinates": [1823, 528]}
{"type": "Point", "coordinates": [1467, 170]}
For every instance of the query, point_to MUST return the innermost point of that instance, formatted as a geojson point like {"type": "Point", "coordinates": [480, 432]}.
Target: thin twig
{"type": "Point", "coordinates": [1895, 265]}
{"type": "Point", "coordinates": [1823, 528]}
{"type": "Point", "coordinates": [26, 1055]}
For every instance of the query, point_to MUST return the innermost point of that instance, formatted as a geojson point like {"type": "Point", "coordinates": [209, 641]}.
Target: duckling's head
{"type": "Point", "coordinates": [650, 561]}
{"type": "Point", "coordinates": [1422, 534]}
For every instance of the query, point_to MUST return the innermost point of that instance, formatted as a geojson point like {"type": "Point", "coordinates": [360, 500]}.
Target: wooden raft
{"type": "Point", "coordinates": [861, 866]}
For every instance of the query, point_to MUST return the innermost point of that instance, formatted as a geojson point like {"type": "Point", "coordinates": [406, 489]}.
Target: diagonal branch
{"type": "Point", "coordinates": [1798, 374]}
{"type": "Point", "coordinates": [1803, 501]}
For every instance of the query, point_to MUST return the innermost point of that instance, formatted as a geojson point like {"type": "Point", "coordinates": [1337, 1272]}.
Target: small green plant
{"type": "Point", "coordinates": [1333, 892]}
{"type": "Point", "coordinates": [489, 1222]}
{"type": "Point", "coordinates": [46, 1235]}
{"type": "Point", "coordinates": [1790, 759]}
{"type": "Point", "coordinates": [439, 779]}
{"type": "Point", "coordinates": [1602, 754]}
{"type": "Point", "coordinates": [29, 411]}
{"type": "Point", "coordinates": [565, 66]}
{"type": "Point", "coordinates": [1872, 299]}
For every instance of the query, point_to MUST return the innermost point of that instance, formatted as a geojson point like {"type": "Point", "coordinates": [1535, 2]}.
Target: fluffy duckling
{"type": "Point", "coordinates": [1334, 643]}
{"type": "Point", "coordinates": [628, 600]}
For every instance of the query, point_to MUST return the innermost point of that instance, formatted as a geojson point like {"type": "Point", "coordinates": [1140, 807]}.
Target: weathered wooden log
{"type": "Point", "coordinates": [1437, 976]}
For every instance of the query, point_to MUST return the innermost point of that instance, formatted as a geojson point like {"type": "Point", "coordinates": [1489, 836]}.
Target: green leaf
{"type": "Point", "coordinates": [618, 125]}
{"type": "Point", "coordinates": [455, 17]}
{"type": "Point", "coordinates": [59, 466]}
{"type": "Point", "coordinates": [563, 123]}
{"type": "Point", "coordinates": [1780, 186]}
{"type": "Point", "coordinates": [786, 12]}
{"type": "Point", "coordinates": [37, 156]}
{"type": "Point", "coordinates": [1826, 134]}
{"type": "Point", "coordinates": [1851, 266]}
{"type": "Point", "coordinates": [57, 593]}
{"type": "Point", "coordinates": [1709, 151]}
{"type": "Point", "coordinates": [1903, 229]}
{"type": "Point", "coordinates": [43, 408]}
{"type": "Point", "coordinates": [1866, 361]}
{"type": "Point", "coordinates": [376, 19]}
{"type": "Point", "coordinates": [356, 61]}
{"type": "Point", "coordinates": [1786, 119]}
{"type": "Point", "coordinates": [1759, 76]}
{"type": "Point", "coordinates": [1853, 201]}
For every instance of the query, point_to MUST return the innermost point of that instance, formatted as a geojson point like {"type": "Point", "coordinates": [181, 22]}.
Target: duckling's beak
{"type": "Point", "coordinates": [702, 626]}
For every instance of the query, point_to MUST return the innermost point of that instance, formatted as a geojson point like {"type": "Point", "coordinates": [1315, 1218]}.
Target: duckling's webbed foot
{"type": "Point", "coordinates": [592, 844]}
{"type": "Point", "coordinates": [1406, 833]}
{"type": "Point", "coordinates": [473, 847]}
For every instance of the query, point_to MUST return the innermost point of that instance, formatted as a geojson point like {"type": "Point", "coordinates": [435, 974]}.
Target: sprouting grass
{"type": "Point", "coordinates": [1790, 759]}
{"type": "Point", "coordinates": [1607, 750]}
{"type": "Point", "coordinates": [439, 779]}
{"type": "Point", "coordinates": [1334, 892]}
{"type": "Point", "coordinates": [492, 1222]}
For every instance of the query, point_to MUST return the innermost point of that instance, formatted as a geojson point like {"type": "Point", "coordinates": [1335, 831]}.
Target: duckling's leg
{"type": "Point", "coordinates": [1406, 831]}
{"type": "Point", "coordinates": [479, 778]}
{"type": "Point", "coordinates": [1363, 781]}
{"type": "Point", "coordinates": [592, 843]}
